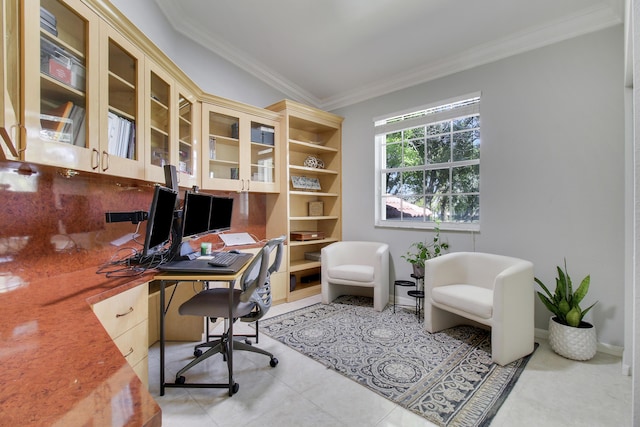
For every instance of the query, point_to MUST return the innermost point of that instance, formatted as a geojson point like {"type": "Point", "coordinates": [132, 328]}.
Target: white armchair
{"type": "Point", "coordinates": [356, 268]}
{"type": "Point", "coordinates": [493, 290]}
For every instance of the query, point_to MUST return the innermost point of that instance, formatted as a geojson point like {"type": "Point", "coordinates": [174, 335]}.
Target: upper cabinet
{"type": "Point", "coordinates": [122, 139]}
{"type": "Point", "coordinates": [240, 148]}
{"type": "Point", "coordinates": [10, 79]}
{"type": "Point", "coordinates": [82, 81]}
{"type": "Point", "coordinates": [61, 80]}
{"type": "Point", "coordinates": [187, 134]}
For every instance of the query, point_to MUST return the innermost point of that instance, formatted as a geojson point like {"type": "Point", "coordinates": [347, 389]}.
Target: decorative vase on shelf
{"type": "Point", "coordinates": [573, 343]}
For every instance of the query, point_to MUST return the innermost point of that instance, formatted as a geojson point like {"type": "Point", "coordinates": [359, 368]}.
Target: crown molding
{"type": "Point", "coordinates": [584, 22]}
{"type": "Point", "coordinates": [589, 21]}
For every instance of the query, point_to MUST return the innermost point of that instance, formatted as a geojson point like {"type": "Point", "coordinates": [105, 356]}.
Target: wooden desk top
{"type": "Point", "coordinates": [57, 363]}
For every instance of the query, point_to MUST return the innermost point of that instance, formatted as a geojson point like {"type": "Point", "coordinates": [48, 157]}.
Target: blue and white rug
{"type": "Point", "coordinates": [446, 377]}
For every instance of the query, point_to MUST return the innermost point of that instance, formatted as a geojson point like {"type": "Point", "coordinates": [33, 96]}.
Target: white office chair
{"type": "Point", "coordinates": [355, 268]}
{"type": "Point", "coordinates": [493, 290]}
{"type": "Point", "coordinates": [250, 303]}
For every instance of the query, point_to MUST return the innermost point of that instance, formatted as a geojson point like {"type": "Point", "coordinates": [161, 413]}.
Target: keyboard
{"type": "Point", "coordinates": [223, 259]}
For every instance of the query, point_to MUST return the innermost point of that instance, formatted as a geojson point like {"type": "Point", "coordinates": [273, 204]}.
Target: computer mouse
{"type": "Point", "coordinates": [234, 251]}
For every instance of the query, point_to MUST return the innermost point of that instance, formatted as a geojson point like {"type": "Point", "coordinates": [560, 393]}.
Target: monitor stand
{"type": "Point", "coordinates": [187, 252]}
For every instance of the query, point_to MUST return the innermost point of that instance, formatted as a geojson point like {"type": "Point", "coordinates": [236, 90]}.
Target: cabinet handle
{"type": "Point", "coordinates": [124, 314]}
{"type": "Point", "coordinates": [105, 161]}
{"type": "Point", "coordinates": [95, 158]}
{"type": "Point", "coordinates": [129, 353]}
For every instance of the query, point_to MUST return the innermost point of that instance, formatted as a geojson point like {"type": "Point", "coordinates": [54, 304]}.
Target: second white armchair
{"type": "Point", "coordinates": [493, 290]}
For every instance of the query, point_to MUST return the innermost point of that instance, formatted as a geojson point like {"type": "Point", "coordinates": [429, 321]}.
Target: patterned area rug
{"type": "Point", "coordinates": [447, 377]}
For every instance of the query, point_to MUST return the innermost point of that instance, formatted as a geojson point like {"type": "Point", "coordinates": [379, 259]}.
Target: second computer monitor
{"type": "Point", "coordinates": [195, 214]}
{"type": "Point", "coordinates": [221, 213]}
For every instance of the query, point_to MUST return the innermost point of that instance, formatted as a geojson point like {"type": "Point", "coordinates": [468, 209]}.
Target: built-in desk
{"type": "Point", "coordinates": [59, 366]}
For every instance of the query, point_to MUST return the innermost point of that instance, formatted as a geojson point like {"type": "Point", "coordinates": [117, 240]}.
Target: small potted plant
{"type": "Point", "coordinates": [569, 335]}
{"type": "Point", "coordinates": [419, 252]}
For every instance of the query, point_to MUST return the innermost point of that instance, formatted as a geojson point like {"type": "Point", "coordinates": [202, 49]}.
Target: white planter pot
{"type": "Point", "coordinates": [573, 343]}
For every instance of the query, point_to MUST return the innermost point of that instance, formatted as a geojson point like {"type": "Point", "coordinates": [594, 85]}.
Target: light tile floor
{"type": "Point", "coordinates": [552, 391]}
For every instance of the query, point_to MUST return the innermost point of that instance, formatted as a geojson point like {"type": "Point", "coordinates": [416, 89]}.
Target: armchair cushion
{"type": "Point", "coordinates": [357, 273]}
{"type": "Point", "coordinates": [468, 298]}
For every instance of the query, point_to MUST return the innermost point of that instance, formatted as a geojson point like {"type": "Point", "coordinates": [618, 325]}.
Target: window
{"type": "Point", "coordinates": [428, 166]}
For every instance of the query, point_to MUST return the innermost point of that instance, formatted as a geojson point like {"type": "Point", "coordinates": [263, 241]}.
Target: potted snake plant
{"type": "Point", "coordinates": [569, 335]}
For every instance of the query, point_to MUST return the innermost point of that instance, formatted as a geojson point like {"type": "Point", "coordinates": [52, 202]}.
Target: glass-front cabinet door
{"type": "Point", "coordinates": [188, 138]}
{"type": "Point", "coordinates": [60, 65]}
{"type": "Point", "coordinates": [159, 116]}
{"type": "Point", "coordinates": [122, 144]}
{"type": "Point", "coordinates": [221, 149]}
{"type": "Point", "coordinates": [239, 151]}
{"type": "Point", "coordinates": [10, 79]}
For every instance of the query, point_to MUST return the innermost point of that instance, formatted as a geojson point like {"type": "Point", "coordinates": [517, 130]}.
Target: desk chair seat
{"type": "Point", "coordinates": [249, 304]}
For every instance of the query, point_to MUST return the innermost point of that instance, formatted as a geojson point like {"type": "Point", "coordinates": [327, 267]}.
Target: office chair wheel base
{"type": "Point", "coordinates": [180, 380]}
{"type": "Point", "coordinates": [197, 352]}
{"type": "Point", "coordinates": [234, 389]}
{"type": "Point", "coordinates": [273, 362]}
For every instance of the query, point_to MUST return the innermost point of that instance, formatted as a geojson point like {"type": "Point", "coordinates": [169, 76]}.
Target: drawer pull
{"type": "Point", "coordinates": [124, 314]}
{"type": "Point", "coordinates": [129, 353]}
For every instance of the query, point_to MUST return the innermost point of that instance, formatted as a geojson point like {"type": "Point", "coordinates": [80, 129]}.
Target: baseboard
{"type": "Point", "coordinates": [613, 350]}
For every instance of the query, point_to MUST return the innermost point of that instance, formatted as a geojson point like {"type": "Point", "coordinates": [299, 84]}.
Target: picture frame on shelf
{"type": "Point", "coordinates": [305, 183]}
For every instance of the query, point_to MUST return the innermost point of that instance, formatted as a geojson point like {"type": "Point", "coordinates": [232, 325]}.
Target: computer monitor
{"type": "Point", "coordinates": [221, 212]}
{"type": "Point", "coordinates": [160, 220]}
{"type": "Point", "coordinates": [195, 214]}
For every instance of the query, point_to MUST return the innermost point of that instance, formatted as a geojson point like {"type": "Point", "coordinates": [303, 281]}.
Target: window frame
{"type": "Point", "coordinates": [415, 117]}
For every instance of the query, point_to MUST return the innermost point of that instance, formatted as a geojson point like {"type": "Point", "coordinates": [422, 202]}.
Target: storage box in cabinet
{"type": "Point", "coordinates": [306, 235]}
{"type": "Point", "coordinates": [262, 134]}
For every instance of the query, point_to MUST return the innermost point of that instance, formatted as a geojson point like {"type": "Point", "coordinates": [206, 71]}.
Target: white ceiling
{"type": "Point", "coordinates": [333, 53]}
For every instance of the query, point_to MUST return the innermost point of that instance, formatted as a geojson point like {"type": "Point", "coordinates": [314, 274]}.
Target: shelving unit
{"type": "Point", "coordinates": [308, 132]}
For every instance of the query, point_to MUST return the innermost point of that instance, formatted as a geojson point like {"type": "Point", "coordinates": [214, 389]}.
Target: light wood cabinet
{"type": "Point", "coordinates": [9, 79]}
{"type": "Point", "coordinates": [312, 139]}
{"type": "Point", "coordinates": [122, 143]}
{"type": "Point", "coordinates": [240, 148]}
{"type": "Point", "coordinates": [171, 117]}
{"type": "Point", "coordinates": [82, 81]}
{"type": "Point", "coordinates": [125, 318]}
{"type": "Point", "coordinates": [187, 132]}
{"type": "Point", "coordinates": [60, 96]}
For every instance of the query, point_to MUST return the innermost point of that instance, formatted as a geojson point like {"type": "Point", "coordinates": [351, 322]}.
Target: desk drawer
{"type": "Point", "coordinates": [123, 311]}
{"type": "Point", "coordinates": [133, 343]}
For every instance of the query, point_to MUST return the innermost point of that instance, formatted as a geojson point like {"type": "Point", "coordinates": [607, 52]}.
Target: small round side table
{"type": "Point", "coordinates": [400, 283]}
{"type": "Point", "coordinates": [419, 296]}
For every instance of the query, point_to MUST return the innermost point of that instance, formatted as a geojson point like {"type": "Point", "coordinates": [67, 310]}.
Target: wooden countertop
{"type": "Point", "coordinates": [58, 366]}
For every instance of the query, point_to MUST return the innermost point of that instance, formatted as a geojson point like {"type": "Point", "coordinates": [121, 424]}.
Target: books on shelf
{"type": "Point", "coordinates": [121, 136]}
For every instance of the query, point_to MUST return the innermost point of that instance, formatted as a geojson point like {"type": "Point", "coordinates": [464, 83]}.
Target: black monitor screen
{"type": "Point", "coordinates": [195, 214]}
{"type": "Point", "coordinates": [221, 211]}
{"type": "Point", "coordinates": [160, 220]}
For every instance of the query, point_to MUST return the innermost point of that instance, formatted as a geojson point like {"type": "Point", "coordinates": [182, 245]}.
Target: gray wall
{"type": "Point", "coordinates": [551, 173]}
{"type": "Point", "coordinates": [552, 166]}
